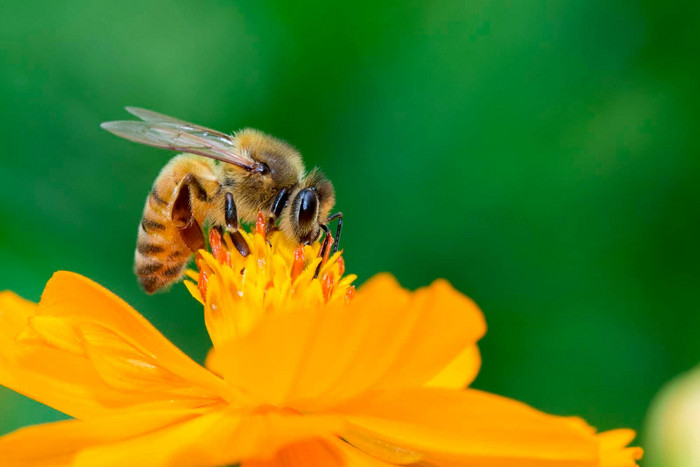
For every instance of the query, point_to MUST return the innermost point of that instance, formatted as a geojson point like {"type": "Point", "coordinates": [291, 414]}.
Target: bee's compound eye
{"type": "Point", "coordinates": [308, 206]}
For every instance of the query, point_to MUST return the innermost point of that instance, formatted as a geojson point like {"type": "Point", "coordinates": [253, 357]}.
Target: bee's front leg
{"type": "Point", "coordinates": [277, 206]}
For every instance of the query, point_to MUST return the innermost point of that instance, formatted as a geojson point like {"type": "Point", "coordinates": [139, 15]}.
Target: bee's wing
{"type": "Point", "coordinates": [155, 117]}
{"type": "Point", "coordinates": [166, 132]}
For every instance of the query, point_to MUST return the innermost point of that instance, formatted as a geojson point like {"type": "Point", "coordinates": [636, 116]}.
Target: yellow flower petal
{"type": "Point", "coordinates": [353, 457]}
{"type": "Point", "coordinates": [157, 448]}
{"type": "Point", "coordinates": [316, 453]}
{"type": "Point", "coordinates": [56, 444]}
{"type": "Point", "coordinates": [317, 357]}
{"type": "Point", "coordinates": [460, 372]}
{"type": "Point", "coordinates": [84, 302]}
{"type": "Point", "coordinates": [305, 362]}
{"type": "Point", "coordinates": [319, 453]}
{"type": "Point", "coordinates": [83, 351]}
{"type": "Point", "coordinates": [472, 428]}
{"type": "Point", "coordinates": [213, 363]}
{"type": "Point", "coordinates": [14, 315]}
{"type": "Point", "coordinates": [64, 381]}
{"type": "Point", "coordinates": [220, 438]}
{"type": "Point", "coordinates": [613, 451]}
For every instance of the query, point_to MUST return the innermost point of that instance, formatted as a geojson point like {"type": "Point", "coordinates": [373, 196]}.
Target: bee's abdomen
{"type": "Point", "coordinates": [161, 250]}
{"type": "Point", "coordinates": [161, 254]}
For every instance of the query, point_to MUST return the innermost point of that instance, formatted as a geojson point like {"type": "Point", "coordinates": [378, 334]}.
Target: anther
{"type": "Point", "coordinates": [298, 265]}
{"type": "Point", "coordinates": [349, 294]}
{"type": "Point", "coordinates": [202, 283]}
{"type": "Point", "coordinates": [216, 244]}
{"type": "Point", "coordinates": [203, 279]}
{"type": "Point", "coordinates": [327, 283]}
{"type": "Point", "coordinates": [260, 224]}
{"type": "Point", "coordinates": [341, 266]}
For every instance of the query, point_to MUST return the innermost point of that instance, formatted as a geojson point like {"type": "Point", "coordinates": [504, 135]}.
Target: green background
{"type": "Point", "coordinates": [541, 155]}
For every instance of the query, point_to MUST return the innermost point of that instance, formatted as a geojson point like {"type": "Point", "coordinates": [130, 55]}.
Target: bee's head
{"type": "Point", "coordinates": [310, 205]}
{"type": "Point", "coordinates": [278, 163]}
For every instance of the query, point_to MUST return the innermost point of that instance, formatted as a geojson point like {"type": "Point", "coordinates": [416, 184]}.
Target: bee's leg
{"type": "Point", "coordinates": [230, 212]}
{"type": "Point", "coordinates": [231, 218]}
{"type": "Point", "coordinates": [339, 216]}
{"type": "Point", "coordinates": [181, 214]}
{"type": "Point", "coordinates": [324, 246]}
{"type": "Point", "coordinates": [277, 207]}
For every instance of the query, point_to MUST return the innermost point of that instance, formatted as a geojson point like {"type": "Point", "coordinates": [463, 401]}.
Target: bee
{"type": "Point", "coordinates": [219, 180]}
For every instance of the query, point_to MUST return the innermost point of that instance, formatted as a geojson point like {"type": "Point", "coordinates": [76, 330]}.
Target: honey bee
{"type": "Point", "coordinates": [220, 180]}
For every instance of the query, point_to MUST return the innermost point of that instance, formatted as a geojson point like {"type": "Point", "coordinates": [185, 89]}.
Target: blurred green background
{"type": "Point", "coordinates": [542, 156]}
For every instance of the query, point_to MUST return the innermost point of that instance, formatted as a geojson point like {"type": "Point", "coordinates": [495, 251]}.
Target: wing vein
{"type": "Point", "coordinates": [166, 132]}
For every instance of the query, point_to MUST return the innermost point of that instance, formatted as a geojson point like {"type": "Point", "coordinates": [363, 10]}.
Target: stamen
{"type": "Point", "coordinates": [298, 264]}
{"type": "Point", "coordinates": [260, 224]}
{"type": "Point", "coordinates": [350, 294]}
{"type": "Point", "coordinates": [226, 244]}
{"type": "Point", "coordinates": [341, 265]}
{"type": "Point", "coordinates": [327, 250]}
{"type": "Point", "coordinates": [217, 247]}
{"type": "Point", "coordinates": [203, 279]}
{"type": "Point", "coordinates": [260, 279]}
{"type": "Point", "coordinates": [327, 283]}
{"type": "Point", "coordinates": [202, 283]}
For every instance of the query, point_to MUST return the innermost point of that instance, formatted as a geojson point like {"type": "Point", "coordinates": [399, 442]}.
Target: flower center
{"type": "Point", "coordinates": [277, 276]}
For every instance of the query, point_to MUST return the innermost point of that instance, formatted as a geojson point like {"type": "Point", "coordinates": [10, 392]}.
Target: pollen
{"type": "Point", "coordinates": [278, 276]}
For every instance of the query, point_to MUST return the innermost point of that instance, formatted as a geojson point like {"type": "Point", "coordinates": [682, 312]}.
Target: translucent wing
{"type": "Point", "coordinates": [155, 117]}
{"type": "Point", "coordinates": [166, 132]}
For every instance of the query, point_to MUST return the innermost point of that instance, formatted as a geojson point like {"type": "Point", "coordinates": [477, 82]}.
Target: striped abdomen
{"type": "Point", "coordinates": [162, 251]}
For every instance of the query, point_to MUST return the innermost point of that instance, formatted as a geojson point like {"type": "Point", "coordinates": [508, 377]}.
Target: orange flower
{"type": "Point", "coordinates": [303, 373]}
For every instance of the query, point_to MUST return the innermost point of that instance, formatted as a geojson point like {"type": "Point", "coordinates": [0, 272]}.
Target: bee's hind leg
{"type": "Point", "coordinates": [181, 214]}
{"type": "Point", "coordinates": [231, 218]}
